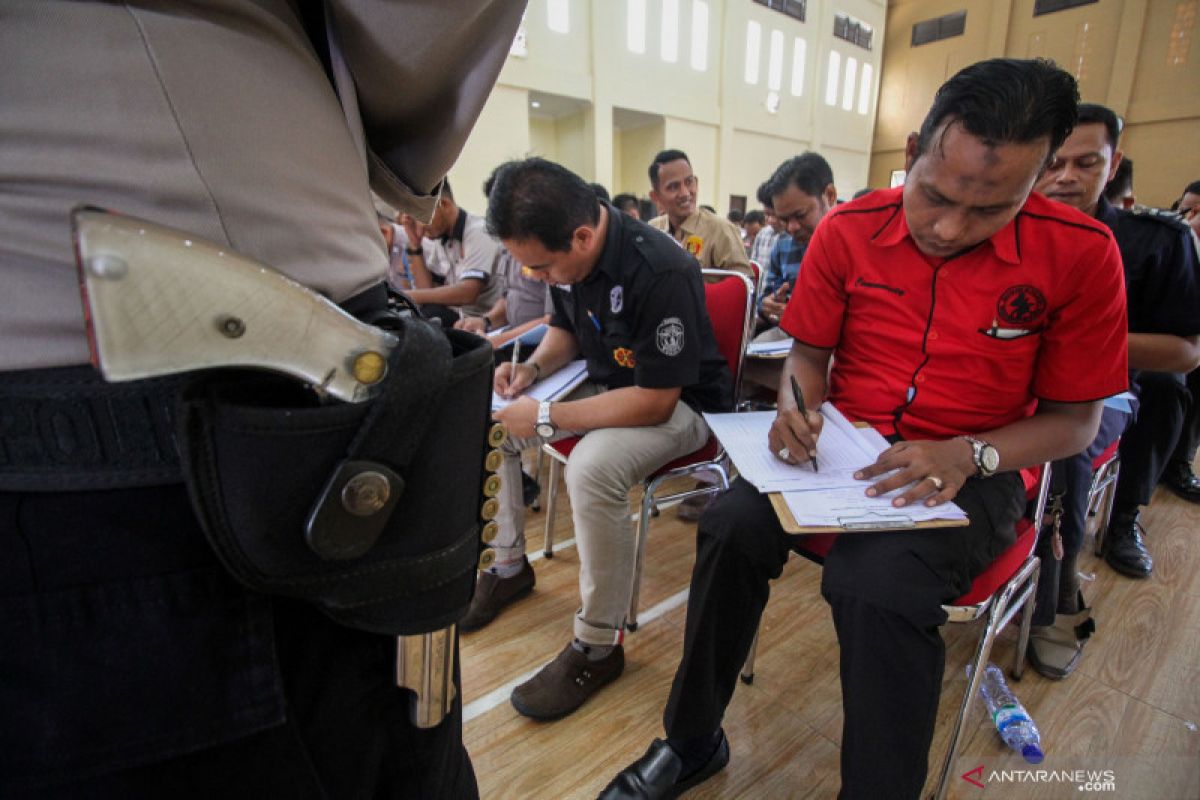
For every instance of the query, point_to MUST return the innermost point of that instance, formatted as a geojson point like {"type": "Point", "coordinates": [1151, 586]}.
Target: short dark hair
{"type": "Point", "coordinates": [600, 192]}
{"type": "Point", "coordinates": [754, 216]}
{"type": "Point", "coordinates": [1191, 188]}
{"type": "Point", "coordinates": [538, 199]}
{"type": "Point", "coordinates": [1006, 100]}
{"type": "Point", "coordinates": [664, 157]}
{"type": "Point", "coordinates": [625, 201]}
{"type": "Point", "coordinates": [763, 194]}
{"type": "Point", "coordinates": [1091, 113]}
{"type": "Point", "coordinates": [808, 172]}
{"type": "Point", "coordinates": [1122, 181]}
{"type": "Point", "coordinates": [446, 190]}
{"type": "Point", "coordinates": [735, 216]}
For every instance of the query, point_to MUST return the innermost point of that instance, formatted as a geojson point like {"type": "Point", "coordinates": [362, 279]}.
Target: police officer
{"type": "Point", "coordinates": [134, 665]}
{"type": "Point", "coordinates": [631, 303]}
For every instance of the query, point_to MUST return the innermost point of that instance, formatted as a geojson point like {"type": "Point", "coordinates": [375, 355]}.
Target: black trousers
{"type": "Point", "coordinates": [1073, 477]}
{"type": "Point", "coordinates": [1147, 446]}
{"type": "Point", "coordinates": [134, 667]}
{"type": "Point", "coordinates": [1189, 438]}
{"type": "Point", "coordinates": [885, 591]}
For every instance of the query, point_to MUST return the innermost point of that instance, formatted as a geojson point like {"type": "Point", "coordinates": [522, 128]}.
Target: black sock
{"type": "Point", "coordinates": [695, 751]}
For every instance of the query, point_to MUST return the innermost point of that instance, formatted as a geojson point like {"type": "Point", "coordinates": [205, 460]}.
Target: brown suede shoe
{"type": "Point", "coordinates": [493, 593]}
{"type": "Point", "coordinates": [566, 682]}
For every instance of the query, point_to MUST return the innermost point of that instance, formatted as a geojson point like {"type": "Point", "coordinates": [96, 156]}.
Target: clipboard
{"type": "Point", "coordinates": [866, 523]}
{"type": "Point", "coordinates": [872, 521]}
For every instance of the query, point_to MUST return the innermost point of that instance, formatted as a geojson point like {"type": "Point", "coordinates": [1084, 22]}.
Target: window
{"type": "Point", "coordinates": [670, 31]}
{"type": "Point", "coordinates": [635, 25]}
{"type": "Point", "coordinates": [938, 28]}
{"type": "Point", "coordinates": [753, 51]}
{"type": "Point", "coordinates": [775, 62]}
{"type": "Point", "coordinates": [853, 30]}
{"type": "Point", "coordinates": [558, 16]}
{"type": "Point", "coordinates": [864, 90]}
{"type": "Point", "coordinates": [851, 83]}
{"type": "Point", "coordinates": [831, 78]}
{"type": "Point", "coordinates": [699, 35]}
{"type": "Point", "coordinates": [793, 8]}
{"type": "Point", "coordinates": [1050, 6]}
{"type": "Point", "coordinates": [799, 54]}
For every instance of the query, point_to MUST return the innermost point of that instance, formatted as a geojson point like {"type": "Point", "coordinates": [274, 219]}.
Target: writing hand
{"type": "Point", "coordinates": [793, 437]}
{"type": "Point", "coordinates": [935, 470]}
{"type": "Point", "coordinates": [512, 379]}
{"type": "Point", "coordinates": [520, 417]}
{"type": "Point", "coordinates": [472, 324]}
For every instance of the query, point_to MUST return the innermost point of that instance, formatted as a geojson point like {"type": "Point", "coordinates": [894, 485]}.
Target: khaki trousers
{"type": "Point", "coordinates": [601, 470]}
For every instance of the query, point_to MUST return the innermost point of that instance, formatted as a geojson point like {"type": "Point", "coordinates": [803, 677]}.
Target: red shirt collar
{"type": "Point", "coordinates": [1004, 242]}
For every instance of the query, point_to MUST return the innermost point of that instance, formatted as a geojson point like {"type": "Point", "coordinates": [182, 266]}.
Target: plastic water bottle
{"type": "Point", "coordinates": [1012, 721]}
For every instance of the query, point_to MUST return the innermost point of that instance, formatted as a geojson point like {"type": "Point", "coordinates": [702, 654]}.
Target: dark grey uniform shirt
{"type": "Point", "coordinates": [640, 318]}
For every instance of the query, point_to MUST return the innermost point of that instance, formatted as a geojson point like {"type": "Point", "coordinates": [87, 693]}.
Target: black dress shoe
{"type": "Point", "coordinates": [656, 775]}
{"type": "Point", "coordinates": [1124, 549]}
{"type": "Point", "coordinates": [1180, 479]}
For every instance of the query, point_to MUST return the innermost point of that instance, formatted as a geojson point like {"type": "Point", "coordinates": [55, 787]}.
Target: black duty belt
{"type": "Point", "coordinates": [65, 429]}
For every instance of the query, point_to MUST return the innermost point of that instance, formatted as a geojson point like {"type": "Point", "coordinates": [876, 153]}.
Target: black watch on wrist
{"type": "Point", "coordinates": [985, 456]}
{"type": "Point", "coordinates": [414, 251]}
{"type": "Point", "coordinates": [545, 428]}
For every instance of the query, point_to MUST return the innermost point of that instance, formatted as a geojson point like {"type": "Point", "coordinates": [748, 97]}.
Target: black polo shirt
{"type": "Point", "coordinates": [640, 318]}
{"type": "Point", "coordinates": [1162, 277]}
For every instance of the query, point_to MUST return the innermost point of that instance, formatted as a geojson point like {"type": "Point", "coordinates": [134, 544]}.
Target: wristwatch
{"type": "Point", "coordinates": [986, 457]}
{"type": "Point", "coordinates": [414, 251]}
{"type": "Point", "coordinates": [545, 428]}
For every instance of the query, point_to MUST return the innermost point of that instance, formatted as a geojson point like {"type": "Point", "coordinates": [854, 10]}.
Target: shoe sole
{"type": "Point", "coordinates": [525, 711]}
{"type": "Point", "coordinates": [1127, 572]}
{"type": "Point", "coordinates": [715, 764]}
{"type": "Point", "coordinates": [1183, 493]}
{"type": "Point", "coordinates": [483, 624]}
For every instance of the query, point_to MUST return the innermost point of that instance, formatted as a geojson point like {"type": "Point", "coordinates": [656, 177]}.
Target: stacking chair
{"type": "Point", "coordinates": [1005, 588]}
{"type": "Point", "coordinates": [1106, 469]}
{"type": "Point", "coordinates": [730, 302]}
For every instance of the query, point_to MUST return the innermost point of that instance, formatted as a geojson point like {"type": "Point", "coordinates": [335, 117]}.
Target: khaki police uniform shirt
{"type": "Point", "coordinates": [218, 118]}
{"type": "Point", "coordinates": [713, 241]}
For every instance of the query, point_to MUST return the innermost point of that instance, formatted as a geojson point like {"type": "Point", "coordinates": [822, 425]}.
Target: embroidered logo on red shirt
{"type": "Point", "coordinates": [1021, 305]}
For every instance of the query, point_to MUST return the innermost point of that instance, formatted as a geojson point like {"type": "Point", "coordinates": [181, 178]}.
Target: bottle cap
{"type": "Point", "coordinates": [1032, 753]}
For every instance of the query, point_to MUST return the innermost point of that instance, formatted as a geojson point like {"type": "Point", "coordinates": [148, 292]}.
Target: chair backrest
{"type": "Point", "coordinates": [759, 279]}
{"type": "Point", "coordinates": [729, 297]}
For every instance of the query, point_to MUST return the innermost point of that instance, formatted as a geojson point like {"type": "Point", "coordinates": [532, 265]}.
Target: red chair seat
{"type": "Point", "coordinates": [816, 547]}
{"type": "Point", "coordinates": [1107, 455]}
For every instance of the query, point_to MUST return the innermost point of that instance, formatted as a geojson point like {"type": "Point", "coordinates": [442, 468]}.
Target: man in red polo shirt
{"type": "Point", "coordinates": [978, 327]}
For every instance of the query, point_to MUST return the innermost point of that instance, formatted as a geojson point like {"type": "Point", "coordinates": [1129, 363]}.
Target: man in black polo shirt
{"type": "Point", "coordinates": [1161, 284]}
{"type": "Point", "coordinates": [631, 302]}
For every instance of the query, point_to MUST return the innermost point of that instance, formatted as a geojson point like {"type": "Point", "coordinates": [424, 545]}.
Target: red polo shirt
{"type": "Point", "coordinates": [933, 348]}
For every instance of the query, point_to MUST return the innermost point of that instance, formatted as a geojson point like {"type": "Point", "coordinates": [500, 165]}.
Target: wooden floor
{"type": "Point", "coordinates": [1133, 706]}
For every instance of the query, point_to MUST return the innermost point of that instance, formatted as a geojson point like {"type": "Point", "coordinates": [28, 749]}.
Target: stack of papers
{"type": "Point", "coordinates": [779, 347]}
{"type": "Point", "coordinates": [831, 497]}
{"type": "Point", "coordinates": [552, 387]}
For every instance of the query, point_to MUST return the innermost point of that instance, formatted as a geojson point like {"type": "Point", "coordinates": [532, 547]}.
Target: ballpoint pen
{"type": "Point", "coordinates": [516, 359]}
{"type": "Point", "coordinates": [804, 413]}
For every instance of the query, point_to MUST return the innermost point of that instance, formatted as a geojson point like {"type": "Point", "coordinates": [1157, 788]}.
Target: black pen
{"type": "Point", "coordinates": [800, 405]}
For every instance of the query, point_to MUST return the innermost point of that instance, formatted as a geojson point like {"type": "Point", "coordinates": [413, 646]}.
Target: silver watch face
{"type": "Point", "coordinates": [545, 430]}
{"type": "Point", "coordinates": [989, 458]}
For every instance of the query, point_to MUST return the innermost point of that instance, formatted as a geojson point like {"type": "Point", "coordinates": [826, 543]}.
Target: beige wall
{"type": "Point", "coordinates": [506, 115]}
{"type": "Point", "coordinates": [1120, 51]}
{"type": "Point", "coordinates": [713, 114]}
{"type": "Point", "coordinates": [638, 146]}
